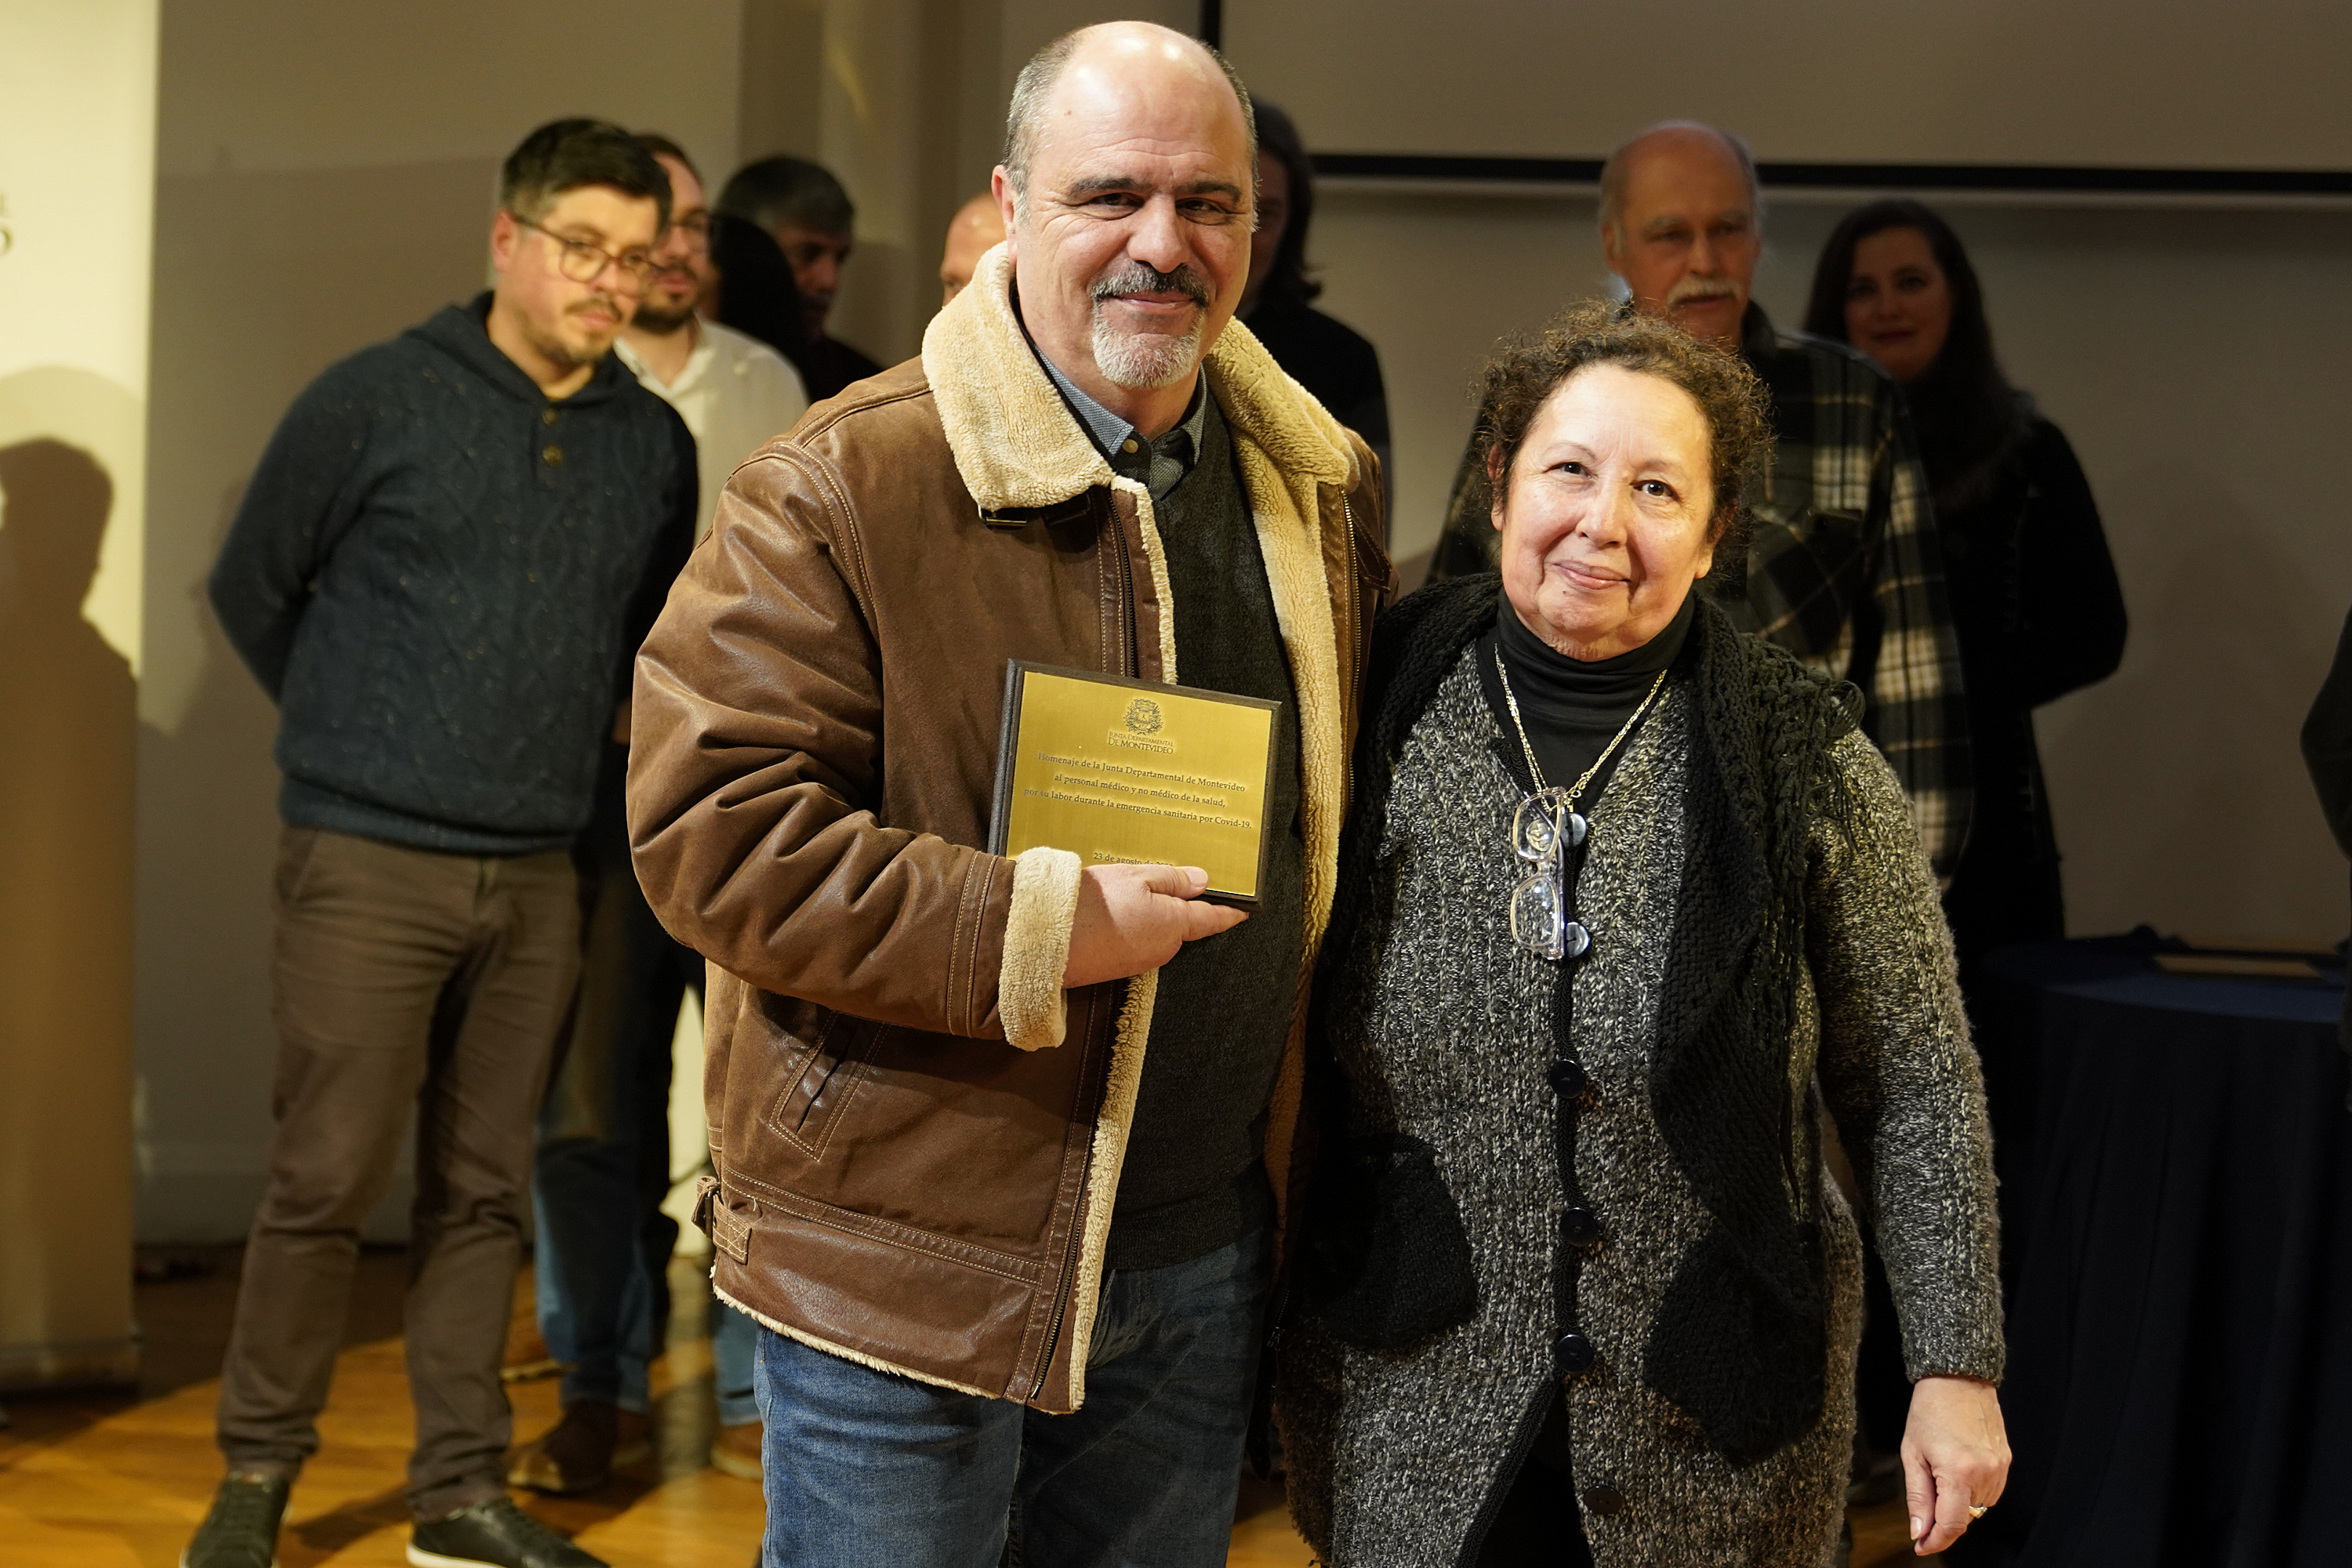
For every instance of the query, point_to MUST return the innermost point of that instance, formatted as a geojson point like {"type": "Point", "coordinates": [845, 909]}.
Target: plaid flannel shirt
{"type": "Point", "coordinates": [1844, 567]}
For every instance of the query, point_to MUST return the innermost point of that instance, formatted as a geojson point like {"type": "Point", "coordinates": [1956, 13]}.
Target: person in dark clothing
{"type": "Point", "coordinates": [1327, 357]}
{"type": "Point", "coordinates": [2327, 752]}
{"type": "Point", "coordinates": [1571, 1258]}
{"type": "Point", "coordinates": [451, 549]}
{"type": "Point", "coordinates": [2034, 598]}
{"type": "Point", "coordinates": [812, 219]}
{"type": "Point", "coordinates": [2038, 613]}
{"type": "Point", "coordinates": [755, 293]}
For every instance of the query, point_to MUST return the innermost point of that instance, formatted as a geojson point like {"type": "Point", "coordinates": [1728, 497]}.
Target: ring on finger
{"type": "Point", "coordinates": [1978, 1511]}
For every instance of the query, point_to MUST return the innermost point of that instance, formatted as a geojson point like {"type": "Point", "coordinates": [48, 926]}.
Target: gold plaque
{"type": "Point", "coordinates": [1120, 769]}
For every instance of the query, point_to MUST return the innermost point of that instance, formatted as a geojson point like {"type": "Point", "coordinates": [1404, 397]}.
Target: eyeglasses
{"type": "Point", "coordinates": [1544, 830]}
{"type": "Point", "coordinates": [585, 263]}
{"type": "Point", "coordinates": [696, 230]}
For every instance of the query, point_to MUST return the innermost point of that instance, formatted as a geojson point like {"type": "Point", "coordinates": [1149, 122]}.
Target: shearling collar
{"type": "Point", "coordinates": [1015, 441]}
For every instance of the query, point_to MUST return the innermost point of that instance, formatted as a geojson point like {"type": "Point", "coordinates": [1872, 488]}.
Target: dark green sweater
{"type": "Point", "coordinates": [1194, 1178]}
{"type": "Point", "coordinates": [442, 577]}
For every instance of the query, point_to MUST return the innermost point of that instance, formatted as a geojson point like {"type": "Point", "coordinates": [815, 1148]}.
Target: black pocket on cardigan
{"type": "Point", "coordinates": [1744, 1355]}
{"type": "Point", "coordinates": [1386, 1261]}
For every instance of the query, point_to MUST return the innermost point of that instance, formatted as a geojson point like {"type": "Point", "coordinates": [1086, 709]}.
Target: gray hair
{"type": "Point", "coordinates": [1035, 84]}
{"type": "Point", "coordinates": [1613, 172]}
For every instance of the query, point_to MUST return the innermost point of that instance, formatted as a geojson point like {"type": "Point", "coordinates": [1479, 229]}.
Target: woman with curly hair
{"type": "Point", "coordinates": [1626, 902]}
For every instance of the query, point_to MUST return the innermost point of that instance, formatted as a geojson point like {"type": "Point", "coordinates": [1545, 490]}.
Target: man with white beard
{"type": "Point", "coordinates": [999, 1142]}
{"type": "Point", "coordinates": [1844, 568]}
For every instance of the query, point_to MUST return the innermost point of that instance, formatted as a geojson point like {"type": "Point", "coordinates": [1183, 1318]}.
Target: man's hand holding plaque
{"type": "Point", "coordinates": [1159, 791]}
{"type": "Point", "coordinates": [1131, 919]}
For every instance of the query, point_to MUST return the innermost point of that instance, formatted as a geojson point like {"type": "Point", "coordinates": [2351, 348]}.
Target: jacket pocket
{"type": "Point", "coordinates": [819, 1079]}
{"type": "Point", "coordinates": [1386, 1259]}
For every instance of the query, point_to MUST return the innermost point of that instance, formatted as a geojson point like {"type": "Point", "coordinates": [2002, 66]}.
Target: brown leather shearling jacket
{"type": "Point", "coordinates": [917, 1132]}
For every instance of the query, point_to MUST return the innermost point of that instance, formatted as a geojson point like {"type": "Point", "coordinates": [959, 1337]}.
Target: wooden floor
{"type": "Point", "coordinates": [120, 1481]}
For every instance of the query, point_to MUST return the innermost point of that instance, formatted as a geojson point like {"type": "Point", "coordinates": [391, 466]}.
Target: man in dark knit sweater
{"type": "Point", "coordinates": [451, 549]}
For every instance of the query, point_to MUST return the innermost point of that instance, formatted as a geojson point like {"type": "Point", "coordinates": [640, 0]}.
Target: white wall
{"type": "Point", "coordinates": [77, 123]}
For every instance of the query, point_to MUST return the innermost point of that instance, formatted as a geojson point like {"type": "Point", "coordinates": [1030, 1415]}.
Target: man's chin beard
{"type": "Point", "coordinates": [568, 357]}
{"type": "Point", "coordinates": [1146, 362]}
{"type": "Point", "coordinates": [659, 323]}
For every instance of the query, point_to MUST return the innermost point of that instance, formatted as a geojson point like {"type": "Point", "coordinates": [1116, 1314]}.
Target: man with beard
{"type": "Point", "coordinates": [999, 1155]}
{"type": "Point", "coordinates": [816, 225]}
{"type": "Point", "coordinates": [603, 1154]}
{"type": "Point", "coordinates": [1843, 565]}
{"type": "Point", "coordinates": [439, 570]}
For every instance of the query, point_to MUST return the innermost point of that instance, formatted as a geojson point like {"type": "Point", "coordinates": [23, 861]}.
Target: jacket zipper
{"type": "Point", "coordinates": [1062, 1301]}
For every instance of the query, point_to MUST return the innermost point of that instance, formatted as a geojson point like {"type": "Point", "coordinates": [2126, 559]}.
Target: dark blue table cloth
{"type": "Point", "coordinates": [2180, 1387]}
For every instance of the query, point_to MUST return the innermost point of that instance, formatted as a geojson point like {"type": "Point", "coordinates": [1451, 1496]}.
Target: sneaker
{"type": "Point", "coordinates": [494, 1534]}
{"type": "Point", "coordinates": [241, 1530]}
{"type": "Point", "coordinates": [578, 1453]}
{"type": "Point", "coordinates": [735, 1450]}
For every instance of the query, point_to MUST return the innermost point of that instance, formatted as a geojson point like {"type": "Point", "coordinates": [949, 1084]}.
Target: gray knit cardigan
{"type": "Point", "coordinates": [1394, 1455]}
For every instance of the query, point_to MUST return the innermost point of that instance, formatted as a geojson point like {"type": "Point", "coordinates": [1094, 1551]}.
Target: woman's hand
{"type": "Point", "coordinates": [1954, 1454]}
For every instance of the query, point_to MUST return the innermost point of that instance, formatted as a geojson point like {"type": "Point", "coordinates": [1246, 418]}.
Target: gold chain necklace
{"type": "Point", "coordinates": [1534, 768]}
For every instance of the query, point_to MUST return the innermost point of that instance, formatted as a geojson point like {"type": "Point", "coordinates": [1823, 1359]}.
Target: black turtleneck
{"type": "Point", "coordinates": [1573, 708]}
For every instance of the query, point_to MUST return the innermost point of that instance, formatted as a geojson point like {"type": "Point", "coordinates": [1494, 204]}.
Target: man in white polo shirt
{"type": "Point", "coordinates": [734, 392]}
{"type": "Point", "coordinates": [604, 1162]}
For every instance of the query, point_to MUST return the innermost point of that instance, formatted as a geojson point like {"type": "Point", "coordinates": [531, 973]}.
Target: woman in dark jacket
{"type": "Point", "coordinates": [1625, 902]}
{"type": "Point", "coordinates": [2034, 596]}
{"type": "Point", "coordinates": [1327, 357]}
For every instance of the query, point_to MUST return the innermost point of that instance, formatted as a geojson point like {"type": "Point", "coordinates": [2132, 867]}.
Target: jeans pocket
{"type": "Point", "coordinates": [298, 848]}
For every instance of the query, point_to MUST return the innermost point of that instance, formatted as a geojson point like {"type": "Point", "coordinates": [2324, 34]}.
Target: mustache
{"type": "Point", "coordinates": [1688, 288]}
{"type": "Point", "coordinates": [599, 301]}
{"type": "Point", "coordinates": [1139, 278]}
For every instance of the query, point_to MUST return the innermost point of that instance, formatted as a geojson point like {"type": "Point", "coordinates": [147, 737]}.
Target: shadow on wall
{"type": "Point", "coordinates": [67, 715]}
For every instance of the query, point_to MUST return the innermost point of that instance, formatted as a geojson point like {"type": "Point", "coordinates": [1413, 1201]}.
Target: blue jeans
{"type": "Point", "coordinates": [868, 1470]}
{"type": "Point", "coordinates": [602, 1167]}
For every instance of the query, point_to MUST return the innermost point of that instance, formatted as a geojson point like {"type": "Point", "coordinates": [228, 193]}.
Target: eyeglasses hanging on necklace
{"type": "Point", "coordinates": [1546, 826]}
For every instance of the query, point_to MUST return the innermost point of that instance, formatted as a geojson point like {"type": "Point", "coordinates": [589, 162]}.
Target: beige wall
{"type": "Point", "coordinates": [327, 175]}
{"type": "Point", "coordinates": [2186, 82]}
{"type": "Point", "coordinates": [77, 120]}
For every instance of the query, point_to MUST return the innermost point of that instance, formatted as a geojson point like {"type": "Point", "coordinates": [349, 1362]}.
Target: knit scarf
{"type": "Point", "coordinates": [1740, 1343]}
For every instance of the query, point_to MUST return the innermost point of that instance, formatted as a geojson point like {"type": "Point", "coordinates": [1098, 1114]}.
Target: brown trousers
{"type": "Point", "coordinates": [401, 977]}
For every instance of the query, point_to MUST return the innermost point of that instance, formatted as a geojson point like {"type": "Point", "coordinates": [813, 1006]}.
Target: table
{"type": "Point", "coordinates": [2180, 1387]}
